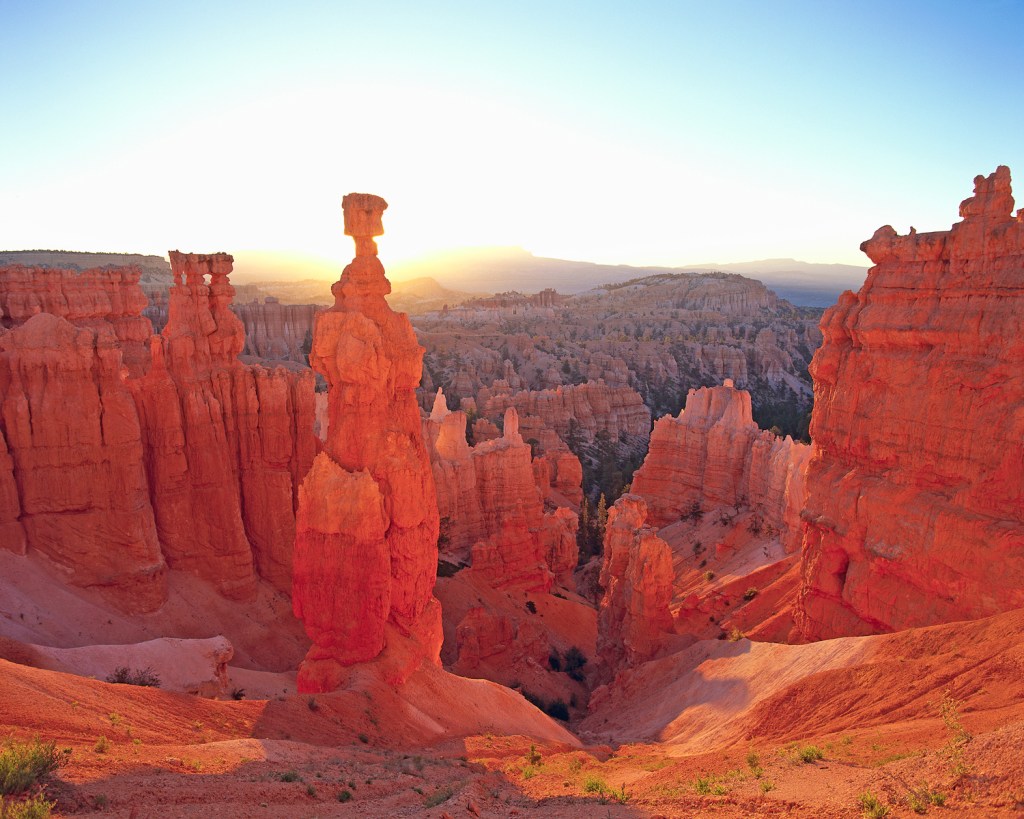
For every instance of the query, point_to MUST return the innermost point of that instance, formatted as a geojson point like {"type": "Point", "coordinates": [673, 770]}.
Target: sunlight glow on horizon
{"type": "Point", "coordinates": [597, 137]}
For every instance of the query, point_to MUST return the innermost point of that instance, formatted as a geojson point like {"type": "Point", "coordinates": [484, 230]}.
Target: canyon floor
{"type": "Point", "coordinates": [728, 736]}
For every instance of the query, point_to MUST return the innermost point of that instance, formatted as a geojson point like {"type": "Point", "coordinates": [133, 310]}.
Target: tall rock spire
{"type": "Point", "coordinates": [366, 543]}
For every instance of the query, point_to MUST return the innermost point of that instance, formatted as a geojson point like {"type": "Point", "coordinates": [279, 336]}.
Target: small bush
{"type": "Point", "coordinates": [750, 594]}
{"type": "Point", "coordinates": [310, 791]}
{"type": "Point", "coordinates": [558, 709]}
{"type": "Point", "coordinates": [754, 763]}
{"type": "Point", "coordinates": [555, 661]}
{"type": "Point", "coordinates": [810, 753]}
{"type": "Point", "coordinates": [533, 757]}
{"type": "Point", "coordinates": [38, 807]}
{"type": "Point", "coordinates": [312, 704]}
{"type": "Point", "coordinates": [344, 796]}
{"type": "Point", "coordinates": [139, 676]}
{"type": "Point", "coordinates": [594, 784]}
{"type": "Point", "coordinates": [23, 764]}
{"type": "Point", "coordinates": [290, 776]}
{"type": "Point", "coordinates": [873, 809]}
{"type": "Point", "coordinates": [531, 607]}
{"type": "Point", "coordinates": [702, 784]}
{"type": "Point", "coordinates": [363, 738]}
{"type": "Point", "coordinates": [767, 785]}
{"type": "Point", "coordinates": [735, 635]}
{"type": "Point", "coordinates": [238, 693]}
{"type": "Point", "coordinates": [438, 798]}
{"type": "Point", "coordinates": [102, 745]}
{"type": "Point", "coordinates": [448, 569]}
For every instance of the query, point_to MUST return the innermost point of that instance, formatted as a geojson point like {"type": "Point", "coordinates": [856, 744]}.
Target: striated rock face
{"type": "Point", "coordinates": [915, 512]}
{"type": "Point", "coordinates": [282, 332]}
{"type": "Point", "coordinates": [225, 443]}
{"type": "Point", "coordinates": [594, 406]}
{"type": "Point", "coordinates": [74, 475]}
{"type": "Point", "coordinates": [636, 575]}
{"type": "Point", "coordinates": [713, 454]}
{"type": "Point", "coordinates": [492, 506]}
{"type": "Point", "coordinates": [366, 542]}
{"type": "Point", "coordinates": [97, 297]}
{"type": "Point", "coordinates": [120, 456]}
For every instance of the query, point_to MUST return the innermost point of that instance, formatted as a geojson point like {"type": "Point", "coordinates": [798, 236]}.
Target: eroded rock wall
{"type": "Point", "coordinates": [915, 512]}
{"type": "Point", "coordinates": [714, 455]}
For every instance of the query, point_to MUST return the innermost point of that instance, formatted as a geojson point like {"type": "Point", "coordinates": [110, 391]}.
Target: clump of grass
{"type": "Point", "coordinates": [810, 753]}
{"type": "Point", "coordinates": [767, 785]}
{"type": "Point", "coordinates": [310, 791]}
{"type": "Point", "coordinates": [36, 807]}
{"type": "Point", "coordinates": [102, 745]}
{"type": "Point", "coordinates": [138, 676]}
{"type": "Point", "coordinates": [290, 776]}
{"type": "Point", "coordinates": [735, 635]}
{"type": "Point", "coordinates": [709, 575]}
{"type": "Point", "coordinates": [750, 594]}
{"type": "Point", "coordinates": [754, 763]}
{"type": "Point", "coordinates": [594, 784]}
{"type": "Point", "coordinates": [871, 807]}
{"type": "Point", "coordinates": [949, 708]}
{"type": "Point", "coordinates": [702, 784]}
{"type": "Point", "coordinates": [23, 764]}
{"type": "Point", "coordinates": [922, 797]}
{"type": "Point", "coordinates": [529, 771]}
{"type": "Point", "coordinates": [533, 757]}
{"type": "Point", "coordinates": [344, 796]}
{"type": "Point", "coordinates": [438, 798]}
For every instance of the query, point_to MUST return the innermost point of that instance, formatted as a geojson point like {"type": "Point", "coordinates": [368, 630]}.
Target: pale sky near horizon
{"type": "Point", "coordinates": [644, 133]}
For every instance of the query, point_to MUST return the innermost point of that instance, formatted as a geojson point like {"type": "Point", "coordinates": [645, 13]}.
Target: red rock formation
{"type": "Point", "coordinates": [714, 455]}
{"type": "Point", "coordinates": [225, 443]}
{"type": "Point", "coordinates": [915, 513]}
{"type": "Point", "coordinates": [492, 506]}
{"type": "Point", "coordinates": [594, 406]}
{"type": "Point", "coordinates": [75, 458]}
{"type": "Point", "coordinates": [636, 575]}
{"type": "Point", "coordinates": [89, 298]}
{"type": "Point", "coordinates": [366, 542]}
{"type": "Point", "coordinates": [277, 331]}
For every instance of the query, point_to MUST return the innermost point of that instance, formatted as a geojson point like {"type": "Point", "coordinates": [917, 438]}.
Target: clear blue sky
{"type": "Point", "coordinates": [669, 133]}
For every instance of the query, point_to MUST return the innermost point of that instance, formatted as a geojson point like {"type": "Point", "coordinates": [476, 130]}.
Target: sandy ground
{"type": "Point", "coordinates": [719, 729]}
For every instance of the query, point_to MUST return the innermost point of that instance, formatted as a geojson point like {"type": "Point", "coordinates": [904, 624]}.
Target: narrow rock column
{"type": "Point", "coordinates": [366, 542]}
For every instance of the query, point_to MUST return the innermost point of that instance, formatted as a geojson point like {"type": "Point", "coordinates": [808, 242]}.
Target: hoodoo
{"type": "Point", "coordinates": [367, 527]}
{"type": "Point", "coordinates": [915, 512]}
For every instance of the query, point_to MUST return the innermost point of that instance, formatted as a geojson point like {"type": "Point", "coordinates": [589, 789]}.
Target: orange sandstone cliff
{"type": "Point", "coordinates": [367, 529]}
{"type": "Point", "coordinates": [714, 455]}
{"type": "Point", "coordinates": [915, 513]}
{"type": "Point", "coordinates": [493, 506]}
{"type": "Point", "coordinates": [125, 452]}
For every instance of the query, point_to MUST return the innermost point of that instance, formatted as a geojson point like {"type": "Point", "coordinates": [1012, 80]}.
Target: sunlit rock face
{"type": "Point", "coordinates": [492, 503]}
{"type": "Point", "coordinates": [125, 452]}
{"type": "Point", "coordinates": [713, 454]}
{"type": "Point", "coordinates": [366, 542]}
{"type": "Point", "coordinates": [225, 443]}
{"type": "Point", "coordinates": [915, 513]}
{"type": "Point", "coordinates": [636, 575]}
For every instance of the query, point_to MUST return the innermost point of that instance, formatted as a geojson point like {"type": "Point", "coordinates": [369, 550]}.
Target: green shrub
{"type": "Point", "coordinates": [23, 764]}
{"type": "Point", "coordinates": [139, 676]}
{"type": "Point", "coordinates": [344, 796]}
{"type": "Point", "coordinates": [290, 776]}
{"type": "Point", "coordinates": [811, 753]}
{"type": "Point", "coordinates": [37, 807]}
{"type": "Point", "coordinates": [594, 784]}
{"type": "Point", "coordinates": [438, 798]}
{"type": "Point", "coordinates": [872, 808]}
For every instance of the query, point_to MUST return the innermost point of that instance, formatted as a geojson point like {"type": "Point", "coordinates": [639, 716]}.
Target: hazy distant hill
{"type": "Point", "coordinates": [497, 269]}
{"type": "Point", "coordinates": [155, 269]}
